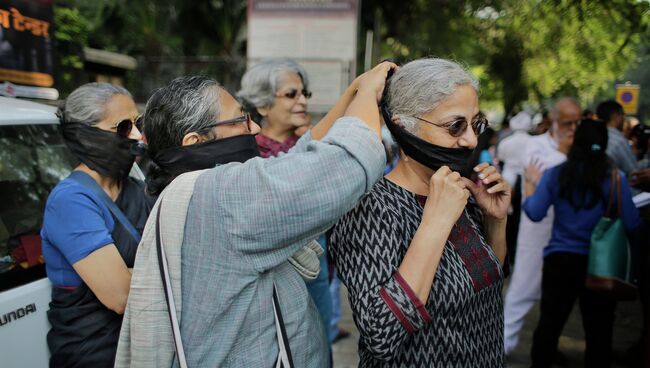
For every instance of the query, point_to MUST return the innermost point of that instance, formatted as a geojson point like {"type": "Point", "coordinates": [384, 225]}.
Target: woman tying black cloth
{"type": "Point", "coordinates": [422, 253]}
{"type": "Point", "coordinates": [88, 249]}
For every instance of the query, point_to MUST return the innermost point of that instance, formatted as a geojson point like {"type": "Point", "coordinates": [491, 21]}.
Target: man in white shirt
{"type": "Point", "coordinates": [546, 150]}
{"type": "Point", "coordinates": [510, 151]}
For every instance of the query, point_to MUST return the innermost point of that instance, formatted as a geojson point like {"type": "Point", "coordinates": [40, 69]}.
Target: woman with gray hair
{"type": "Point", "coordinates": [227, 222]}
{"type": "Point", "coordinates": [422, 253]}
{"type": "Point", "coordinates": [275, 93]}
{"type": "Point", "coordinates": [88, 248]}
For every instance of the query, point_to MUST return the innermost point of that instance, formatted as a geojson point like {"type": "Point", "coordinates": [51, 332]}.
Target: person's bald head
{"type": "Point", "coordinates": [565, 117]}
{"type": "Point", "coordinates": [565, 106]}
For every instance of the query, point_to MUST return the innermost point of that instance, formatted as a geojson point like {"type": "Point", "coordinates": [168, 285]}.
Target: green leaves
{"type": "Point", "coordinates": [71, 36]}
{"type": "Point", "coordinates": [530, 50]}
{"type": "Point", "coordinates": [525, 50]}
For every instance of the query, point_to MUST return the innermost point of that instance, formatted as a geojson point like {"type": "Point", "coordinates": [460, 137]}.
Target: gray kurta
{"type": "Point", "coordinates": [243, 222]}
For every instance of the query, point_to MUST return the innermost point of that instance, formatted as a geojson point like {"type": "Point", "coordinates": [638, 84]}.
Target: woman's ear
{"type": "Point", "coordinates": [191, 138]}
{"type": "Point", "coordinates": [263, 111]}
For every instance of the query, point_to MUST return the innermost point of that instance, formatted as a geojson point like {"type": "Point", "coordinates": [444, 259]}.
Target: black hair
{"type": "Point", "coordinates": [587, 166]}
{"type": "Point", "coordinates": [483, 143]}
{"type": "Point", "coordinates": [606, 109]}
{"type": "Point", "coordinates": [641, 135]}
{"type": "Point", "coordinates": [251, 109]}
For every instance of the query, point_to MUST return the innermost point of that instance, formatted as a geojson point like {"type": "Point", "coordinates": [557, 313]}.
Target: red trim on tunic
{"type": "Point", "coordinates": [396, 311]}
{"type": "Point", "coordinates": [476, 259]}
{"type": "Point", "coordinates": [414, 298]}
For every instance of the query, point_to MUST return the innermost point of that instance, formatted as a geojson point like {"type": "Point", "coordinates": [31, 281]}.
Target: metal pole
{"type": "Point", "coordinates": [367, 61]}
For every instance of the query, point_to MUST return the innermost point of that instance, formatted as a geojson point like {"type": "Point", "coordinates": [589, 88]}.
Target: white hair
{"type": "Point", "coordinates": [420, 85]}
{"type": "Point", "coordinates": [260, 83]}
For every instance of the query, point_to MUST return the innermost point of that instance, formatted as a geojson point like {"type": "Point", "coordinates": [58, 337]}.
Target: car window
{"type": "Point", "coordinates": [33, 159]}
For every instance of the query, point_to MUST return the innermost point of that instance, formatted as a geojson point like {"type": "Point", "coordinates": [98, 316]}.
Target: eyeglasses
{"type": "Point", "coordinates": [569, 123]}
{"type": "Point", "coordinates": [246, 118]}
{"type": "Point", "coordinates": [457, 127]}
{"type": "Point", "coordinates": [125, 126]}
{"type": "Point", "coordinates": [294, 93]}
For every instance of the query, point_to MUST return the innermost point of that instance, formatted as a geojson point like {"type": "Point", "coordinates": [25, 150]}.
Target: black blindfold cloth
{"type": "Point", "coordinates": [103, 151]}
{"type": "Point", "coordinates": [178, 160]}
{"type": "Point", "coordinates": [428, 154]}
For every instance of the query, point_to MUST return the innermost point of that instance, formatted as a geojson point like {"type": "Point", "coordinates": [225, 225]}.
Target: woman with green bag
{"type": "Point", "coordinates": [579, 191]}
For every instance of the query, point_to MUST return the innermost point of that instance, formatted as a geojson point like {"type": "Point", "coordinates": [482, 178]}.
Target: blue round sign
{"type": "Point", "coordinates": [627, 97]}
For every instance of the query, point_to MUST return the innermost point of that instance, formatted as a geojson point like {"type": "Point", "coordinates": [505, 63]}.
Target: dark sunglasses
{"type": "Point", "coordinates": [125, 126]}
{"type": "Point", "coordinates": [456, 128]}
{"type": "Point", "coordinates": [246, 118]}
{"type": "Point", "coordinates": [294, 93]}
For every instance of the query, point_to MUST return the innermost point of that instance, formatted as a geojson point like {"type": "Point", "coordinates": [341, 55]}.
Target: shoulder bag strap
{"type": "Point", "coordinates": [285, 359]}
{"type": "Point", "coordinates": [89, 183]}
{"type": "Point", "coordinates": [619, 205]}
{"type": "Point", "coordinates": [284, 355]}
{"type": "Point", "coordinates": [612, 192]}
{"type": "Point", "coordinates": [169, 295]}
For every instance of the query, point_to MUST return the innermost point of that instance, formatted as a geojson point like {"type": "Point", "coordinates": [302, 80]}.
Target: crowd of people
{"type": "Point", "coordinates": [230, 253]}
{"type": "Point", "coordinates": [566, 175]}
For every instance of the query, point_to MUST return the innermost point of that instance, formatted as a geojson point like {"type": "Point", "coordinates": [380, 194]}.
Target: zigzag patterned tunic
{"type": "Point", "coordinates": [461, 324]}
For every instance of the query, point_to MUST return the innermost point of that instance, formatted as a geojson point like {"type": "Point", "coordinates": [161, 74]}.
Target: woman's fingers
{"type": "Point", "coordinates": [494, 177]}
{"type": "Point", "coordinates": [470, 185]}
{"type": "Point", "coordinates": [383, 69]}
{"type": "Point", "coordinates": [445, 179]}
{"type": "Point", "coordinates": [500, 187]}
{"type": "Point", "coordinates": [486, 173]}
{"type": "Point", "coordinates": [480, 167]}
{"type": "Point", "coordinates": [443, 171]}
{"type": "Point", "coordinates": [454, 176]}
{"type": "Point", "coordinates": [375, 79]}
{"type": "Point", "coordinates": [385, 66]}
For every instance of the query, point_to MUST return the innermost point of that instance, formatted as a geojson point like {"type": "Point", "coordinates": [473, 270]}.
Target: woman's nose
{"type": "Point", "coordinates": [468, 139]}
{"type": "Point", "coordinates": [135, 133]}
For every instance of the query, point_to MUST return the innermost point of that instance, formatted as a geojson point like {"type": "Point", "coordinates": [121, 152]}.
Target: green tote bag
{"type": "Point", "coordinates": [610, 263]}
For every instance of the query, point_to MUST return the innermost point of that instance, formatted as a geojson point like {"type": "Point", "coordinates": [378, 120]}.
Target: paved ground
{"type": "Point", "coordinates": [626, 332]}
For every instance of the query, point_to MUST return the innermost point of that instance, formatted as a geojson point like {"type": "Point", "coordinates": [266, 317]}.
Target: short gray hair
{"type": "Point", "coordinates": [561, 102]}
{"type": "Point", "coordinates": [185, 105]}
{"type": "Point", "coordinates": [260, 83]}
{"type": "Point", "coordinates": [87, 104]}
{"type": "Point", "coordinates": [420, 85]}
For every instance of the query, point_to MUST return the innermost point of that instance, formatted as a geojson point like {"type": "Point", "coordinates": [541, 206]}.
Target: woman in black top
{"type": "Point", "coordinates": [422, 260]}
{"type": "Point", "coordinates": [88, 252]}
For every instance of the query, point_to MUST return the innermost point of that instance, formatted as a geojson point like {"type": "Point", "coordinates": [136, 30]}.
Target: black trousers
{"type": "Point", "coordinates": [563, 282]}
{"type": "Point", "coordinates": [512, 226]}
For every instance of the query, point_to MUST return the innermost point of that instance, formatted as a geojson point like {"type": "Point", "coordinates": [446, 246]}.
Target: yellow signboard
{"type": "Point", "coordinates": [628, 96]}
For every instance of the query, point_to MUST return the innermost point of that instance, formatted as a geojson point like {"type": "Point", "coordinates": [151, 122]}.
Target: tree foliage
{"type": "Point", "coordinates": [71, 36]}
{"type": "Point", "coordinates": [523, 50]}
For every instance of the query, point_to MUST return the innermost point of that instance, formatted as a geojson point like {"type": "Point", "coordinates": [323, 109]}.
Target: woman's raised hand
{"type": "Point", "coordinates": [447, 198]}
{"type": "Point", "coordinates": [374, 80]}
{"type": "Point", "coordinates": [492, 192]}
{"type": "Point", "coordinates": [533, 171]}
{"type": "Point", "coordinates": [364, 105]}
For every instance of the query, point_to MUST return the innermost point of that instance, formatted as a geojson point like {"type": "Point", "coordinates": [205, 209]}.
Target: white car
{"type": "Point", "coordinates": [33, 159]}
